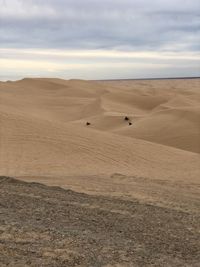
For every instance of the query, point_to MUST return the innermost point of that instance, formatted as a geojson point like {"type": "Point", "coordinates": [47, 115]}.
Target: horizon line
{"type": "Point", "coordinates": [120, 79]}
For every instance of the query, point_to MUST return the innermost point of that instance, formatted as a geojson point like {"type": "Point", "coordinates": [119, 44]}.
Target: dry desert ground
{"type": "Point", "coordinates": [102, 173]}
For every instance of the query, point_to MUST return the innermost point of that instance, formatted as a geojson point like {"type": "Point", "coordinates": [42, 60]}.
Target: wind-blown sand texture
{"type": "Point", "coordinates": [44, 138]}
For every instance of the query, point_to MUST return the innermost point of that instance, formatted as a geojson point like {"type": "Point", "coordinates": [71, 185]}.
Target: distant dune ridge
{"type": "Point", "coordinates": [43, 129]}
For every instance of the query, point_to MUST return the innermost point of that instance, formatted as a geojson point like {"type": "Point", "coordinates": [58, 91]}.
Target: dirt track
{"type": "Point", "coordinates": [50, 226]}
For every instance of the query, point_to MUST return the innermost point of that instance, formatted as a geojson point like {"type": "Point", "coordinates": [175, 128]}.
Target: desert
{"type": "Point", "coordinates": [100, 173]}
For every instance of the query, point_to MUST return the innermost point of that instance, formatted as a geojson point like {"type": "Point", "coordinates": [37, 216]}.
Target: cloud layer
{"type": "Point", "coordinates": [141, 26]}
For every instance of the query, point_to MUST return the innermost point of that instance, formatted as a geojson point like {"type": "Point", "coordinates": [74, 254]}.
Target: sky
{"type": "Point", "coordinates": [99, 39]}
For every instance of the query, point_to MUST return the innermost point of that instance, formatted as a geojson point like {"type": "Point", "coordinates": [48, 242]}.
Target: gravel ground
{"type": "Point", "coordinates": [50, 226]}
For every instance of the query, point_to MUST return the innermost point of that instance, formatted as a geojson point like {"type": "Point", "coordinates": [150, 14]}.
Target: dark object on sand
{"type": "Point", "coordinates": [126, 118]}
{"type": "Point", "coordinates": [130, 123]}
{"type": "Point", "coordinates": [88, 123]}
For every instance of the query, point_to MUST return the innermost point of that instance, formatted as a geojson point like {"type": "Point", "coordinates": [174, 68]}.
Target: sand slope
{"type": "Point", "coordinates": [43, 131]}
{"type": "Point", "coordinates": [141, 182]}
{"type": "Point", "coordinates": [177, 127]}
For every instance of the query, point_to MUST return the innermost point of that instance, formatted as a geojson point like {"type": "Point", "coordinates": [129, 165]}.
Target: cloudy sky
{"type": "Point", "coordinates": [93, 39]}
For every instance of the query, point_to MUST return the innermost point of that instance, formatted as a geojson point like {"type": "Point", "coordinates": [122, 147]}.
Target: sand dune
{"type": "Point", "coordinates": [30, 146]}
{"type": "Point", "coordinates": [136, 187]}
{"type": "Point", "coordinates": [43, 131]}
{"type": "Point", "coordinates": [177, 127]}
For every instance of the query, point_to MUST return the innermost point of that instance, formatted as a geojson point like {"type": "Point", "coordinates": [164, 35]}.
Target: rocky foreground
{"type": "Point", "coordinates": [50, 226]}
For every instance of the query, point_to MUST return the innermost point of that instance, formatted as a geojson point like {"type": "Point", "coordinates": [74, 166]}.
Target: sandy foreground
{"type": "Point", "coordinates": [122, 172]}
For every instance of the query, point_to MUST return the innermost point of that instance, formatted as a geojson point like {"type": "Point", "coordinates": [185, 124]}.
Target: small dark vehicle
{"type": "Point", "coordinates": [126, 118]}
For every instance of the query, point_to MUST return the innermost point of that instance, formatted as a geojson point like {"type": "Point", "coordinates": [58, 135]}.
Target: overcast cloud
{"type": "Point", "coordinates": [44, 32]}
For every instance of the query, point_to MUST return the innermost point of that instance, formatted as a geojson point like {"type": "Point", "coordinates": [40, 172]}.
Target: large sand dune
{"type": "Point", "coordinates": [143, 173]}
{"type": "Point", "coordinates": [43, 130]}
